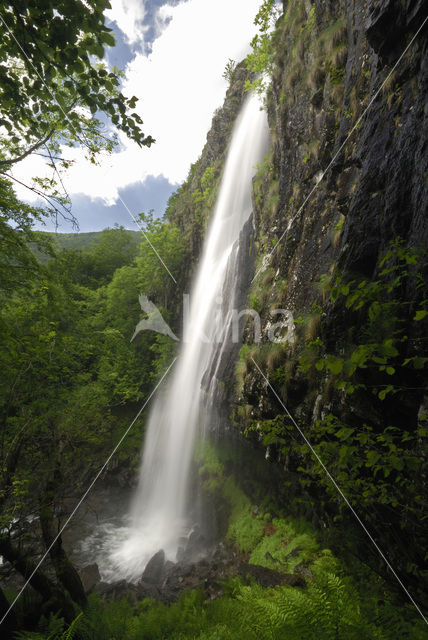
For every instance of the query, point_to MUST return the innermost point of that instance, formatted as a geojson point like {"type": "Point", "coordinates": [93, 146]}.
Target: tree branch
{"type": "Point", "coordinates": [52, 201]}
{"type": "Point", "coordinates": [33, 148]}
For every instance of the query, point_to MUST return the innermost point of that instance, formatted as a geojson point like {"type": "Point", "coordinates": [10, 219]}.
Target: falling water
{"type": "Point", "coordinates": [160, 506]}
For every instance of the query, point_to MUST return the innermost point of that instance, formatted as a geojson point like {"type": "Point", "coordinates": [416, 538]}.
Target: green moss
{"type": "Point", "coordinates": [246, 352]}
{"type": "Point", "coordinates": [211, 469]}
{"type": "Point", "coordinates": [279, 543]}
{"type": "Point", "coordinates": [244, 529]}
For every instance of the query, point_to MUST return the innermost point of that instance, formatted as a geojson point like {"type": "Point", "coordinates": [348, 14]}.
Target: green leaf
{"type": "Point", "coordinates": [334, 293]}
{"type": "Point", "coordinates": [396, 462]}
{"type": "Point", "coordinates": [108, 39]}
{"type": "Point", "coordinates": [343, 452]}
{"type": "Point", "coordinates": [374, 310]}
{"type": "Point", "coordinates": [344, 433]}
{"type": "Point", "coordinates": [335, 365]}
{"type": "Point", "coordinates": [359, 355]}
{"type": "Point", "coordinates": [132, 102]}
{"type": "Point", "coordinates": [97, 50]}
{"type": "Point", "coordinates": [419, 362]}
{"type": "Point", "coordinates": [78, 66]}
{"type": "Point", "coordinates": [388, 348]}
{"type": "Point", "coordinates": [384, 392]}
{"type": "Point", "coordinates": [372, 458]}
{"type": "Point", "coordinates": [420, 314]}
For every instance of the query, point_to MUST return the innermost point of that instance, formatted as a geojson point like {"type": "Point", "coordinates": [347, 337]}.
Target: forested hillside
{"type": "Point", "coordinates": [79, 241]}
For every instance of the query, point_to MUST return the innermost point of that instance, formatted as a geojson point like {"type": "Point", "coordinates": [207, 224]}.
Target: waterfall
{"type": "Point", "coordinates": [160, 507]}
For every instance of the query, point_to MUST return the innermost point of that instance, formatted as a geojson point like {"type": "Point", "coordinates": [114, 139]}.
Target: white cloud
{"type": "Point", "coordinates": [181, 81]}
{"type": "Point", "coordinates": [179, 84]}
{"type": "Point", "coordinates": [129, 16]}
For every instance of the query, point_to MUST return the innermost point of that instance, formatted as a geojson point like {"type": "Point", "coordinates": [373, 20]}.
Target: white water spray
{"type": "Point", "coordinates": [161, 502]}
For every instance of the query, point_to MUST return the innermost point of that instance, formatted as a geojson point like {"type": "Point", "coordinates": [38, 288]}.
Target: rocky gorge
{"type": "Point", "coordinates": [308, 481]}
{"type": "Point", "coordinates": [344, 181]}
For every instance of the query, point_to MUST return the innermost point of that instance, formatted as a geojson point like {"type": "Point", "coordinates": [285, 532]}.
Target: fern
{"type": "Point", "coordinates": [328, 608]}
{"type": "Point", "coordinates": [69, 634]}
{"type": "Point", "coordinates": [54, 630]}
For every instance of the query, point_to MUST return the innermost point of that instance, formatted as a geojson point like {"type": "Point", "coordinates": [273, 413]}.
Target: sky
{"type": "Point", "coordinates": [173, 53]}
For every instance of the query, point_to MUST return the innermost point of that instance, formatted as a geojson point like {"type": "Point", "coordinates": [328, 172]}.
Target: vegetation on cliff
{"type": "Point", "coordinates": [336, 214]}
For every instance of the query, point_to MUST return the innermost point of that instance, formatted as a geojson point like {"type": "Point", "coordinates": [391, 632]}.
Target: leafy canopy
{"type": "Point", "coordinates": [55, 92]}
{"type": "Point", "coordinates": [50, 86]}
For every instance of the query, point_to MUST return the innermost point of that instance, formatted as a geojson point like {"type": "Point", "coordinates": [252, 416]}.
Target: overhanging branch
{"type": "Point", "coordinates": [29, 151]}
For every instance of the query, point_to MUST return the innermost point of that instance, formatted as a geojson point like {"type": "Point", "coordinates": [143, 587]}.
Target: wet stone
{"type": "Point", "coordinates": [207, 574]}
{"type": "Point", "coordinates": [269, 577]}
{"type": "Point", "coordinates": [154, 571]}
{"type": "Point", "coordinates": [90, 576]}
{"type": "Point", "coordinates": [148, 590]}
{"type": "Point", "coordinates": [117, 590]}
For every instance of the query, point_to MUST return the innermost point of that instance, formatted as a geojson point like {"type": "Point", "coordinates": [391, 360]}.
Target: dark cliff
{"type": "Point", "coordinates": [341, 235]}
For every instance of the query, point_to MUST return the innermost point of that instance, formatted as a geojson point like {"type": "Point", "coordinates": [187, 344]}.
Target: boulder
{"type": "Point", "coordinates": [180, 554]}
{"type": "Point", "coordinates": [154, 571]}
{"type": "Point", "coordinates": [148, 590]}
{"type": "Point", "coordinates": [269, 577]}
{"type": "Point", "coordinates": [118, 590]}
{"type": "Point", "coordinates": [195, 548]}
{"type": "Point", "coordinates": [90, 576]}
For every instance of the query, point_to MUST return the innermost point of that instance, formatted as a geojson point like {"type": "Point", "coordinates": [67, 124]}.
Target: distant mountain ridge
{"type": "Point", "coordinates": [80, 241]}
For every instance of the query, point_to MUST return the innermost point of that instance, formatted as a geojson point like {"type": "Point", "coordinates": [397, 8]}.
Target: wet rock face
{"type": "Point", "coordinates": [336, 164]}
{"type": "Point", "coordinates": [350, 134]}
{"type": "Point", "coordinates": [153, 573]}
{"type": "Point", "coordinates": [389, 21]}
{"type": "Point", "coordinates": [376, 180]}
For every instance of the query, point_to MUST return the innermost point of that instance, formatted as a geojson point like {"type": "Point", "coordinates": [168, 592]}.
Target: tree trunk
{"type": "Point", "coordinates": [64, 569]}
{"type": "Point", "coordinates": [10, 624]}
{"type": "Point", "coordinates": [54, 599]}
